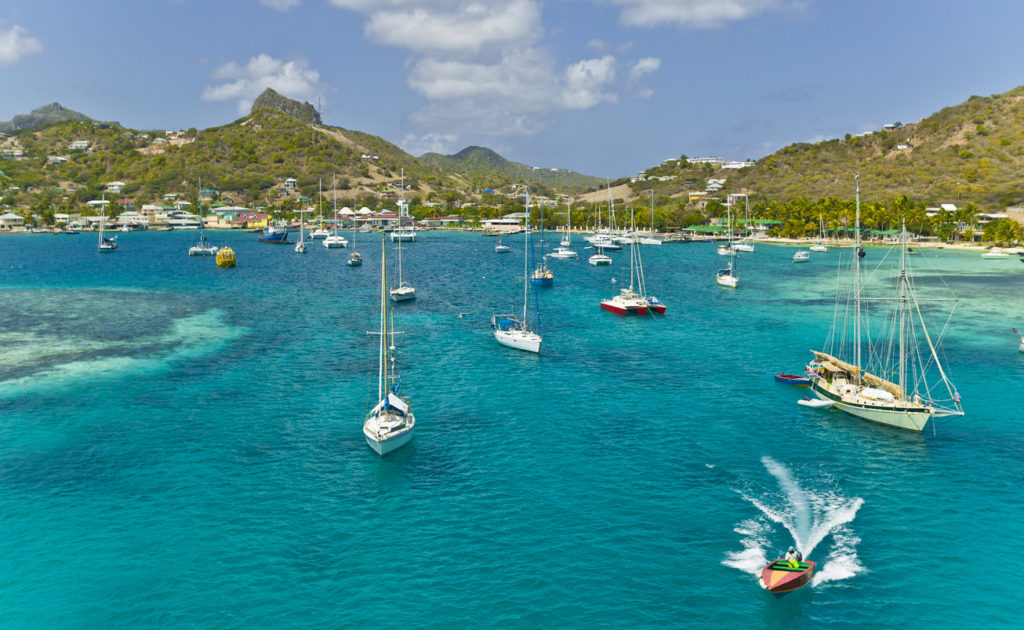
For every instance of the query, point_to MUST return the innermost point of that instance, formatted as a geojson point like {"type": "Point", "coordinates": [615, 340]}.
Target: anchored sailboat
{"type": "Point", "coordinates": [390, 424]}
{"type": "Point", "coordinates": [906, 351]}
{"type": "Point", "coordinates": [509, 330]}
{"type": "Point", "coordinates": [203, 247]}
{"type": "Point", "coordinates": [404, 291]}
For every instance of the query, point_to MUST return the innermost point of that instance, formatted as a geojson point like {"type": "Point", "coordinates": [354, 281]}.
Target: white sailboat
{"type": "Point", "coordinates": [510, 330]}
{"type": "Point", "coordinates": [404, 291]}
{"type": "Point", "coordinates": [203, 247]}
{"type": "Point", "coordinates": [335, 240]}
{"type": "Point", "coordinates": [905, 349]}
{"type": "Point", "coordinates": [390, 424]}
{"type": "Point", "coordinates": [106, 244]}
{"type": "Point", "coordinates": [649, 239]}
{"type": "Point", "coordinates": [567, 240]}
{"type": "Point", "coordinates": [354, 259]}
{"type": "Point", "coordinates": [300, 247]}
{"type": "Point", "coordinates": [727, 249]}
{"type": "Point", "coordinates": [408, 234]}
{"type": "Point", "coordinates": [745, 245]}
{"type": "Point", "coordinates": [819, 246]}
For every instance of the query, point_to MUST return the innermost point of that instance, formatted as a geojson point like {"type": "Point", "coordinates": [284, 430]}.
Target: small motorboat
{"type": "Point", "coordinates": [801, 256]}
{"type": "Point", "coordinates": [815, 403]}
{"type": "Point", "coordinates": [779, 577]}
{"type": "Point", "coordinates": [792, 379]}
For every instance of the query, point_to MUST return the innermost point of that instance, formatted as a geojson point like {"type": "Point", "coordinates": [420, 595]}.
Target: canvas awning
{"type": "Point", "coordinates": [831, 364]}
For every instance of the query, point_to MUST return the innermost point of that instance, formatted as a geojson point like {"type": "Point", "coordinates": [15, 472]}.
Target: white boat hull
{"type": "Point", "coordinates": [335, 242]}
{"type": "Point", "coordinates": [403, 294]}
{"type": "Point", "coordinates": [518, 339]}
{"type": "Point", "coordinates": [599, 259]}
{"type": "Point", "coordinates": [818, 248]}
{"type": "Point", "coordinates": [897, 414]}
{"type": "Point", "coordinates": [728, 281]}
{"type": "Point", "coordinates": [388, 441]}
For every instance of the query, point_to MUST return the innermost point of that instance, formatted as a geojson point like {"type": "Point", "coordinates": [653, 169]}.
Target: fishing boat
{"type": "Point", "coordinates": [225, 257]}
{"type": "Point", "coordinates": [513, 331]}
{"type": "Point", "coordinates": [106, 244]}
{"type": "Point", "coordinates": [274, 234]}
{"type": "Point", "coordinates": [792, 379]}
{"type": "Point", "coordinates": [500, 246]}
{"type": "Point", "coordinates": [780, 577]}
{"type": "Point", "coordinates": [802, 256]}
{"type": "Point", "coordinates": [404, 291]}
{"type": "Point", "coordinates": [203, 247]}
{"type": "Point", "coordinates": [922, 390]}
{"type": "Point", "coordinates": [819, 246]}
{"type": "Point", "coordinates": [727, 277]}
{"type": "Point", "coordinates": [390, 424]}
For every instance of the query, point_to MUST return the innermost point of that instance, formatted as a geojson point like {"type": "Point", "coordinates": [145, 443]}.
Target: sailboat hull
{"type": "Point", "coordinates": [403, 294]}
{"type": "Point", "coordinates": [388, 442]}
{"type": "Point", "coordinates": [624, 308]}
{"type": "Point", "coordinates": [518, 339]}
{"type": "Point", "coordinates": [897, 415]}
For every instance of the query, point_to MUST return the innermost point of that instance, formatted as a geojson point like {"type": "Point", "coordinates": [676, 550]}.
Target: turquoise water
{"type": "Point", "coordinates": [182, 447]}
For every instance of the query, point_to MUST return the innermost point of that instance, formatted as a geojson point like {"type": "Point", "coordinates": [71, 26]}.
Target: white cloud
{"type": "Point", "coordinates": [443, 143]}
{"type": "Point", "coordinates": [14, 44]}
{"type": "Point", "coordinates": [280, 5]}
{"type": "Point", "coordinates": [645, 66]}
{"type": "Point", "coordinates": [293, 79]}
{"type": "Point", "coordinates": [585, 82]}
{"type": "Point", "coordinates": [449, 26]}
{"type": "Point", "coordinates": [695, 13]}
{"type": "Point", "coordinates": [481, 65]}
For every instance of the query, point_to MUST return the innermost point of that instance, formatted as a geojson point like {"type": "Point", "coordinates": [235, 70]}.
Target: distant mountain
{"type": "Point", "coordinates": [481, 161]}
{"type": "Point", "coordinates": [45, 115]}
{"type": "Point", "coordinates": [303, 111]}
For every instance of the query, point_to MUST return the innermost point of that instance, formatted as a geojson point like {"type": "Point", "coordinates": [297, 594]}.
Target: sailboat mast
{"type": "Point", "coordinates": [903, 310]}
{"type": "Point", "coordinates": [632, 250]}
{"type": "Point", "coordinates": [526, 259]}
{"type": "Point", "coordinates": [400, 199]}
{"type": "Point", "coordinates": [201, 211]}
{"type": "Point", "coordinates": [856, 286]}
{"type": "Point", "coordinates": [382, 372]}
{"type": "Point", "coordinates": [334, 191]}
{"type": "Point", "coordinates": [103, 217]}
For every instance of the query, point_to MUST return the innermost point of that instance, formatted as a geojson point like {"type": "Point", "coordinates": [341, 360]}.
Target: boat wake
{"type": "Point", "coordinates": [809, 517]}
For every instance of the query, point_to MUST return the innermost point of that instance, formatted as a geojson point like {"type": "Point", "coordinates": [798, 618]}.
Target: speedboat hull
{"type": "Point", "coordinates": [779, 577]}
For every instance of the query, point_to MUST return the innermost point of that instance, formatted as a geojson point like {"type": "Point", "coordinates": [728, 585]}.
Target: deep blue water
{"type": "Point", "coordinates": [180, 446]}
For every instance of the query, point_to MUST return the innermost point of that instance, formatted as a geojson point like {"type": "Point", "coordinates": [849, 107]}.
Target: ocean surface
{"type": "Point", "coordinates": [181, 445]}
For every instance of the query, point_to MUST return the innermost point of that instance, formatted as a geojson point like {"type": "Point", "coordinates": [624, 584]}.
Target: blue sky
{"type": "Point", "coordinates": [605, 87]}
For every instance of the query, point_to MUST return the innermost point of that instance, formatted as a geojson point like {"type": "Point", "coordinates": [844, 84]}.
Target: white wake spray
{"type": "Point", "coordinates": [808, 516]}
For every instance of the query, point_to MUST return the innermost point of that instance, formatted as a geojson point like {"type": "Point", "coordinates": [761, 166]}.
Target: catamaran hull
{"type": "Point", "coordinates": [608, 305]}
{"type": "Point", "coordinates": [906, 418]}
{"type": "Point", "coordinates": [518, 340]}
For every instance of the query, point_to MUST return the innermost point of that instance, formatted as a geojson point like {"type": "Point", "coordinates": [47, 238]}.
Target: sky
{"type": "Point", "coordinates": [603, 87]}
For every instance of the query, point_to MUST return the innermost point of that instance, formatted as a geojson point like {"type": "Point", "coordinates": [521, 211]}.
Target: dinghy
{"type": "Point", "coordinates": [815, 403]}
{"type": "Point", "coordinates": [792, 379]}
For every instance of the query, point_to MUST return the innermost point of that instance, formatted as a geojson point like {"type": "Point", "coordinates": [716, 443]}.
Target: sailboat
{"type": "Point", "coordinates": [404, 291]}
{"type": "Point", "coordinates": [628, 300]}
{"type": "Point", "coordinates": [745, 245]}
{"type": "Point", "coordinates": [542, 276]}
{"type": "Point", "coordinates": [649, 239]}
{"type": "Point", "coordinates": [354, 259]}
{"type": "Point", "coordinates": [726, 276]}
{"type": "Point", "coordinates": [510, 330]}
{"type": "Point", "coordinates": [819, 246]}
{"type": "Point", "coordinates": [390, 424]}
{"type": "Point", "coordinates": [727, 249]}
{"type": "Point", "coordinates": [563, 251]}
{"type": "Point", "coordinates": [335, 240]}
{"type": "Point", "coordinates": [203, 247]}
{"type": "Point", "coordinates": [905, 350]}
{"type": "Point", "coordinates": [300, 247]}
{"type": "Point", "coordinates": [403, 234]}
{"type": "Point", "coordinates": [106, 243]}
{"type": "Point", "coordinates": [500, 246]}
{"type": "Point", "coordinates": [567, 240]}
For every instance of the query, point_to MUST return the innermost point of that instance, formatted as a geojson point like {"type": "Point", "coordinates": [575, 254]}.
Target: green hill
{"type": "Point", "coordinates": [490, 170]}
{"type": "Point", "coordinates": [973, 151]}
{"type": "Point", "coordinates": [54, 112]}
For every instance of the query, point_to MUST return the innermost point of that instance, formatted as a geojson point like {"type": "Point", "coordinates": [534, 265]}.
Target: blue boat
{"type": "Point", "coordinates": [274, 234]}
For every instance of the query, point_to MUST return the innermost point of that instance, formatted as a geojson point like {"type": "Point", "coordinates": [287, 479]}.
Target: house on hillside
{"type": "Point", "coordinates": [290, 183]}
{"type": "Point", "coordinates": [79, 145]}
{"type": "Point", "coordinates": [9, 221]}
{"type": "Point", "coordinates": [115, 187]}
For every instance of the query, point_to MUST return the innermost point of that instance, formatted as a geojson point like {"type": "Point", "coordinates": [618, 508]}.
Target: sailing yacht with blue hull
{"type": "Point", "coordinates": [390, 424]}
{"type": "Point", "coordinates": [907, 352]}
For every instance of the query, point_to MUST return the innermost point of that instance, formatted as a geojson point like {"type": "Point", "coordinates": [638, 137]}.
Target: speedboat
{"type": "Point", "coordinates": [780, 577]}
{"type": "Point", "coordinates": [801, 256]}
{"type": "Point", "coordinates": [818, 247]}
{"type": "Point", "coordinates": [655, 305]}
